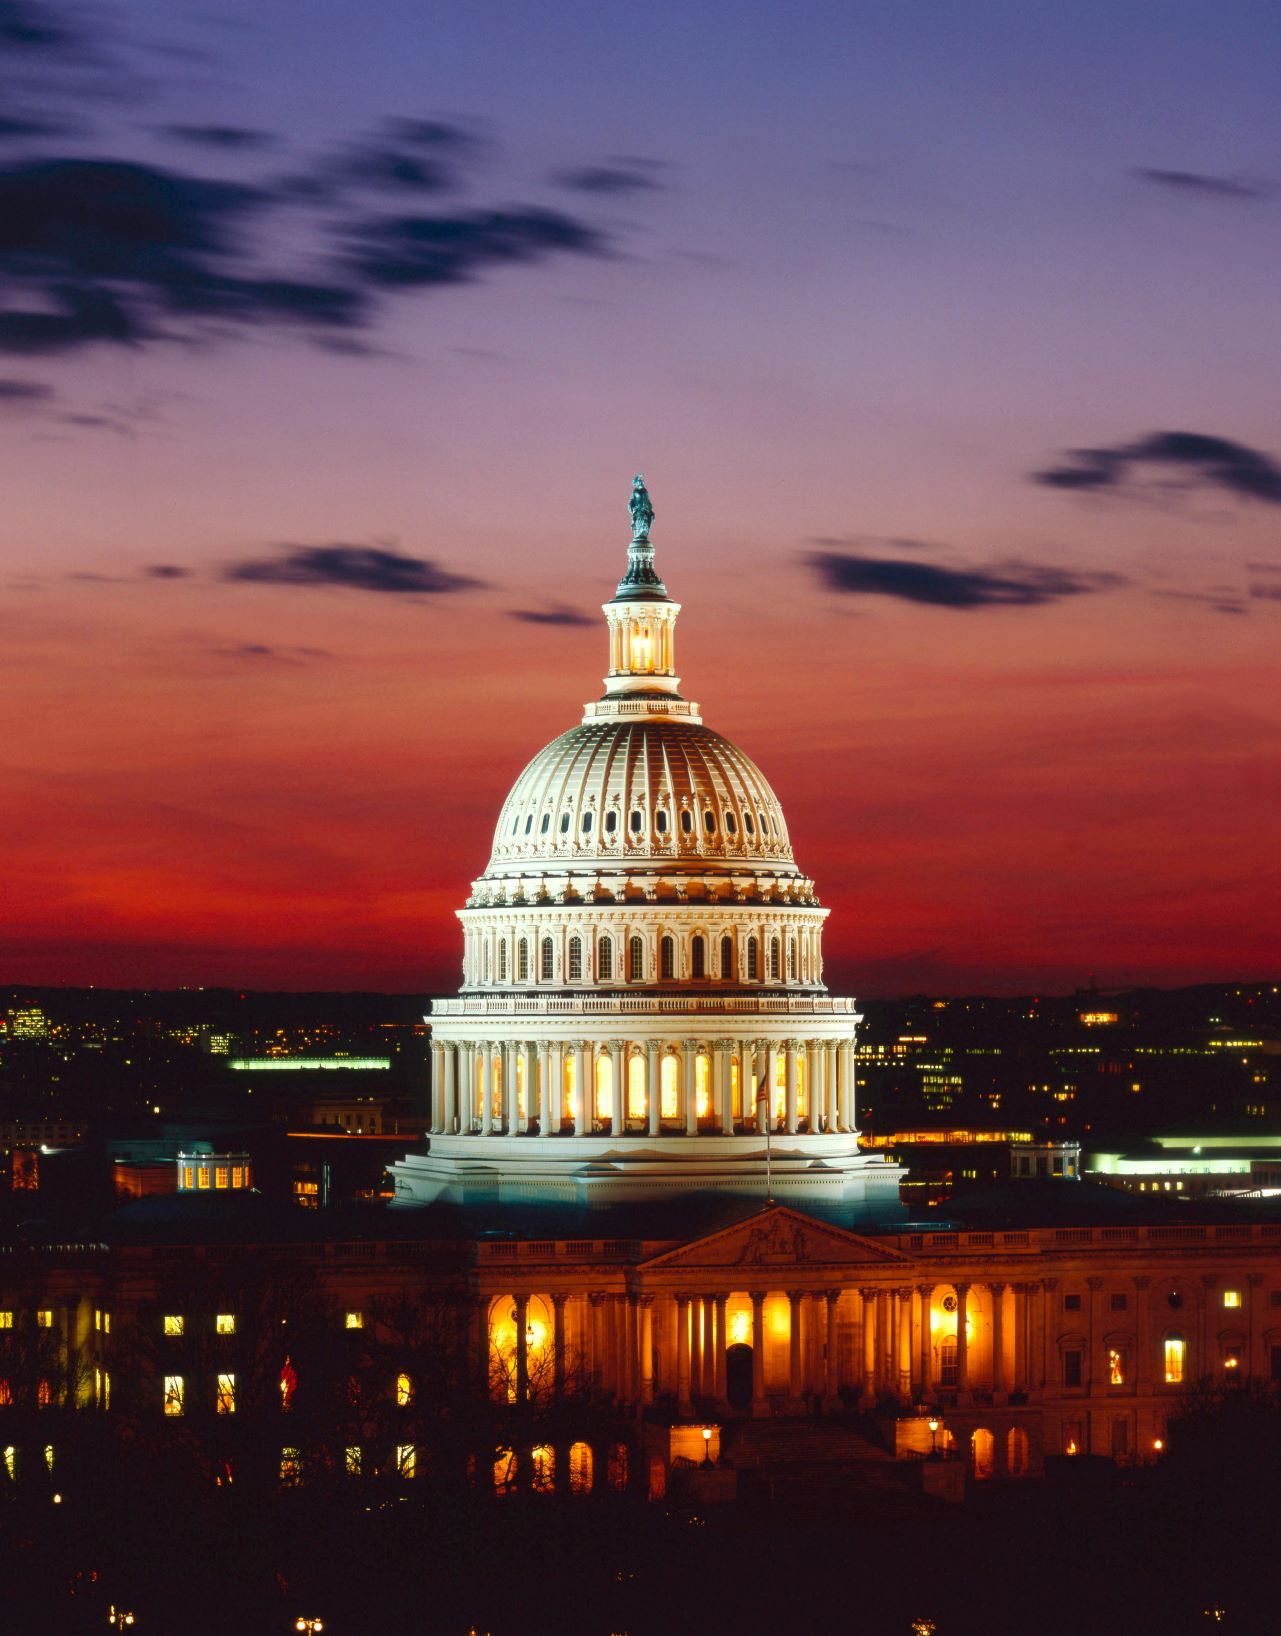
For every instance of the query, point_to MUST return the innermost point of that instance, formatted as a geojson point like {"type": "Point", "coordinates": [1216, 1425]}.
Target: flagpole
{"type": "Point", "coordinates": [762, 1096]}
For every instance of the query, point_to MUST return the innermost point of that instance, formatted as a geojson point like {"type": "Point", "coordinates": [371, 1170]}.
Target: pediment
{"type": "Point", "coordinates": [777, 1237]}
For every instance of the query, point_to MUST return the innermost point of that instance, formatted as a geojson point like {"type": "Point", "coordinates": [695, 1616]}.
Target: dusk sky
{"type": "Point", "coordinates": [946, 336]}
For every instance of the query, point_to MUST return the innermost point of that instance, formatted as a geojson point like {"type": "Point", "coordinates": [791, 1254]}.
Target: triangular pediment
{"type": "Point", "coordinates": [777, 1237]}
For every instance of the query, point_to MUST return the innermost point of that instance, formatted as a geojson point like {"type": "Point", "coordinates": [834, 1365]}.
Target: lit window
{"type": "Point", "coordinates": [11, 1461]}
{"type": "Point", "coordinates": [44, 1320]}
{"type": "Point", "coordinates": [288, 1384]}
{"type": "Point", "coordinates": [225, 1323]}
{"type": "Point", "coordinates": [202, 1177]}
{"type": "Point", "coordinates": [1116, 1366]}
{"type": "Point", "coordinates": [544, 1463]}
{"type": "Point", "coordinates": [354, 1320]}
{"type": "Point", "coordinates": [353, 1461]}
{"type": "Point", "coordinates": [290, 1466]}
{"type": "Point", "coordinates": [237, 1175]}
{"type": "Point", "coordinates": [580, 1468]}
{"type": "Point", "coordinates": [6, 1320]}
{"type": "Point", "coordinates": [48, 1456]}
{"type": "Point", "coordinates": [6, 1394]}
{"type": "Point", "coordinates": [174, 1395]}
{"type": "Point", "coordinates": [173, 1323]}
{"type": "Point", "coordinates": [1174, 1360]}
{"type": "Point", "coordinates": [406, 1459]}
{"type": "Point", "coordinates": [1232, 1360]}
{"type": "Point", "coordinates": [188, 1176]}
{"type": "Point", "coordinates": [404, 1390]}
{"type": "Point", "coordinates": [226, 1401]}
{"type": "Point", "coordinates": [222, 1175]}
{"type": "Point", "coordinates": [1232, 1297]}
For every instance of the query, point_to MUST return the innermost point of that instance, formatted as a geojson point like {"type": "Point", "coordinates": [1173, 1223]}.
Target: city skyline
{"type": "Point", "coordinates": [327, 357]}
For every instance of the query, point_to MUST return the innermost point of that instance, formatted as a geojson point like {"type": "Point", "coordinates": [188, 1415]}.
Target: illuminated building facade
{"type": "Point", "coordinates": [642, 968]}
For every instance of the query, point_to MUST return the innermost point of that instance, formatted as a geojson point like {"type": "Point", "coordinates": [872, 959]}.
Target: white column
{"type": "Point", "coordinates": [829, 1085]}
{"type": "Point", "coordinates": [451, 1089]}
{"type": "Point", "coordinates": [544, 1088]}
{"type": "Point", "coordinates": [689, 1066]}
{"type": "Point", "coordinates": [724, 1070]}
{"type": "Point", "coordinates": [555, 1086]}
{"type": "Point", "coordinates": [814, 1091]}
{"type": "Point", "coordinates": [531, 1084]}
{"type": "Point", "coordinates": [437, 1087]}
{"type": "Point", "coordinates": [790, 1054]}
{"type": "Point", "coordinates": [467, 1101]}
{"type": "Point", "coordinates": [762, 1068]}
{"type": "Point", "coordinates": [618, 1090]}
{"type": "Point", "coordinates": [583, 1124]}
{"type": "Point", "coordinates": [486, 1088]}
{"type": "Point", "coordinates": [653, 1087]}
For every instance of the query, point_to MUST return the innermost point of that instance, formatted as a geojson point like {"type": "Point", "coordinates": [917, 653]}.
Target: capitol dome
{"type": "Point", "coordinates": [649, 792]}
{"type": "Point", "coordinates": [642, 1007]}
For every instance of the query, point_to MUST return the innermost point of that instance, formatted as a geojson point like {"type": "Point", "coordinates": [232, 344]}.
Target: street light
{"type": "Point", "coordinates": [707, 1445]}
{"type": "Point", "coordinates": [308, 1624]}
{"type": "Point", "coordinates": [119, 1618]}
{"type": "Point", "coordinates": [934, 1436]}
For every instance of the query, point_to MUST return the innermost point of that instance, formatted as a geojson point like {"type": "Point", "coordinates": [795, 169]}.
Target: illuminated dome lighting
{"type": "Point", "coordinates": [642, 934]}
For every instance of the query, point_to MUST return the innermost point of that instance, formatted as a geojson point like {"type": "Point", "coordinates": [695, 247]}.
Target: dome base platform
{"type": "Point", "coordinates": [816, 1173]}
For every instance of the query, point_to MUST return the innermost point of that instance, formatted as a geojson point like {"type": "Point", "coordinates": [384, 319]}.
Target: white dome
{"type": "Point", "coordinates": [660, 790]}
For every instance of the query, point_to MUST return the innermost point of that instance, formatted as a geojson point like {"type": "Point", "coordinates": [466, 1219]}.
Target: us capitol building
{"type": "Point", "coordinates": [643, 1009]}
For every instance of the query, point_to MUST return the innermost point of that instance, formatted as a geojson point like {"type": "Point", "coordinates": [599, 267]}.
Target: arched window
{"type": "Point", "coordinates": [638, 821]}
{"type": "Point", "coordinates": [748, 824]}
{"type": "Point", "coordinates": [669, 1104]}
{"type": "Point", "coordinates": [1174, 1354]}
{"type": "Point", "coordinates": [667, 959]}
{"type": "Point", "coordinates": [660, 820]}
{"type": "Point", "coordinates": [698, 958]}
{"type": "Point", "coordinates": [502, 959]}
{"type": "Point", "coordinates": [545, 970]}
{"type": "Point", "coordinates": [611, 822]}
{"type": "Point", "coordinates": [709, 822]}
{"type": "Point", "coordinates": [791, 958]}
{"type": "Point", "coordinates": [522, 960]}
{"type": "Point", "coordinates": [982, 1455]}
{"type": "Point", "coordinates": [546, 823]}
{"type": "Point", "coordinates": [727, 957]}
{"type": "Point", "coordinates": [947, 1361]}
{"type": "Point", "coordinates": [564, 823]}
{"type": "Point", "coordinates": [773, 959]}
{"type": "Point", "coordinates": [730, 825]}
{"type": "Point", "coordinates": [404, 1390]}
{"type": "Point", "coordinates": [687, 822]}
{"type": "Point", "coordinates": [635, 960]}
{"type": "Point", "coordinates": [605, 959]}
{"type": "Point", "coordinates": [529, 823]}
{"type": "Point", "coordinates": [587, 823]}
{"type": "Point", "coordinates": [580, 1468]}
{"type": "Point", "coordinates": [575, 959]}
{"type": "Point", "coordinates": [1016, 1452]}
{"type": "Point", "coordinates": [753, 971]}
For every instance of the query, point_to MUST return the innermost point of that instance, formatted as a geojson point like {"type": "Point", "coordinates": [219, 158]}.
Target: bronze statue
{"type": "Point", "coordinates": [641, 510]}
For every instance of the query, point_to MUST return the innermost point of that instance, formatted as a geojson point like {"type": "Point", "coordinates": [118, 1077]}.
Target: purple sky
{"type": "Point", "coordinates": [946, 336]}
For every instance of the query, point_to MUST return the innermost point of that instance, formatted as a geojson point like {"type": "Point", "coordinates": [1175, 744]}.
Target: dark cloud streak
{"type": "Point", "coordinates": [1003, 585]}
{"type": "Point", "coordinates": [559, 615]}
{"type": "Point", "coordinates": [350, 567]}
{"type": "Point", "coordinates": [1197, 182]}
{"type": "Point", "coordinates": [1217, 461]}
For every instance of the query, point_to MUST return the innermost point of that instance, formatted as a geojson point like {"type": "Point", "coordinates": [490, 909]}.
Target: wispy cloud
{"type": "Point", "coordinates": [1011, 583]}
{"type": "Point", "coordinates": [1218, 462]}
{"type": "Point", "coordinates": [352, 568]}
{"type": "Point", "coordinates": [1198, 182]}
{"type": "Point", "coordinates": [559, 615]}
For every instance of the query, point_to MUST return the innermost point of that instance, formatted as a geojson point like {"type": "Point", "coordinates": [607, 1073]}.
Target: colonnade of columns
{"type": "Point", "coordinates": [551, 1087]}
{"type": "Point", "coordinates": [888, 1340]}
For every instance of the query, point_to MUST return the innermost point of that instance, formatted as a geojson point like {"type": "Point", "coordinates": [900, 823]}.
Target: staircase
{"type": "Point", "coordinates": [808, 1460]}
